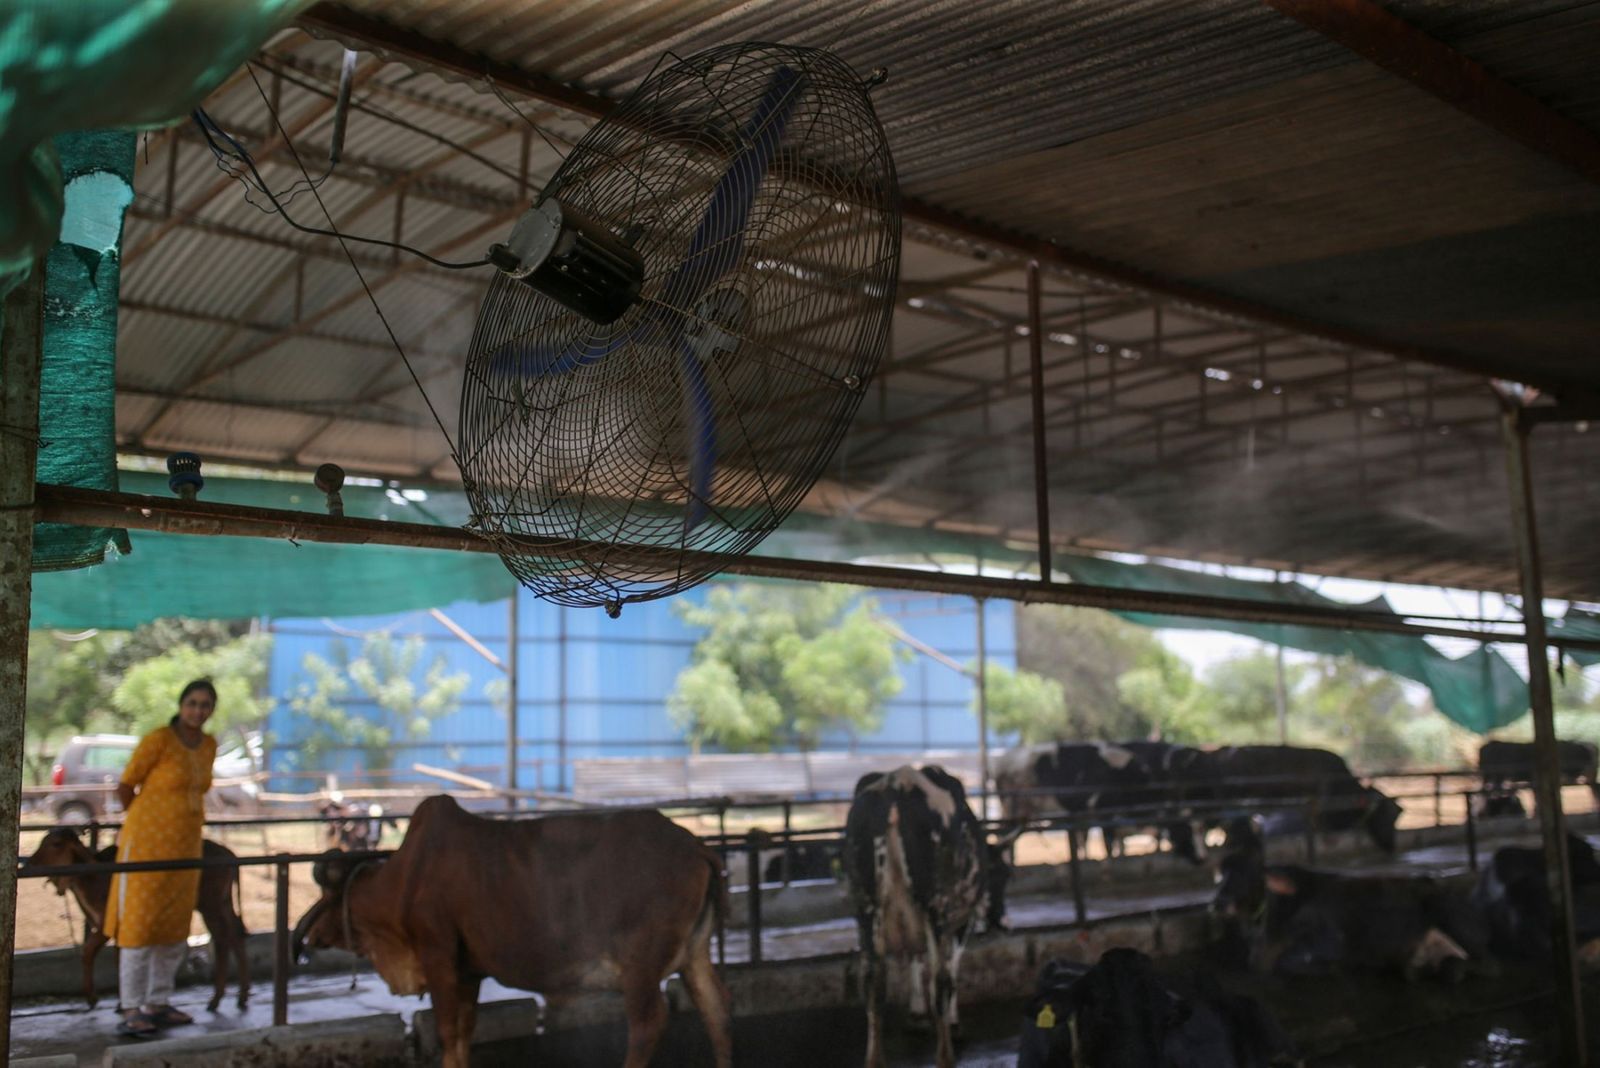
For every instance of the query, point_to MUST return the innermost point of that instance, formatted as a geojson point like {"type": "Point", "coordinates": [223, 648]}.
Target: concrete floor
{"type": "Point", "coordinates": [42, 1027]}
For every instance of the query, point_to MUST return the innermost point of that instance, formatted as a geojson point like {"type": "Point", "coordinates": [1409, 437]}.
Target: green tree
{"type": "Point", "coordinates": [1243, 698]}
{"type": "Point", "coordinates": [68, 692]}
{"type": "Point", "coordinates": [1088, 651]}
{"type": "Point", "coordinates": [74, 679]}
{"type": "Point", "coordinates": [782, 664]}
{"type": "Point", "coordinates": [1024, 703]}
{"type": "Point", "coordinates": [1357, 711]}
{"type": "Point", "coordinates": [147, 696]}
{"type": "Point", "coordinates": [1164, 693]}
{"type": "Point", "coordinates": [383, 672]}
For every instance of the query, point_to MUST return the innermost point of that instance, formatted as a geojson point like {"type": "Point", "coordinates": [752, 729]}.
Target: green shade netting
{"type": "Point", "coordinates": [1577, 624]}
{"type": "Point", "coordinates": [70, 65]}
{"type": "Point", "coordinates": [77, 399]}
{"type": "Point", "coordinates": [108, 66]}
{"type": "Point", "coordinates": [234, 578]}
{"type": "Point", "coordinates": [224, 577]}
{"type": "Point", "coordinates": [1480, 690]}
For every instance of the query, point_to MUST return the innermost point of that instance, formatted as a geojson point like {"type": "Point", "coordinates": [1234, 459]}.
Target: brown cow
{"type": "Point", "coordinates": [614, 901]}
{"type": "Point", "coordinates": [216, 904]}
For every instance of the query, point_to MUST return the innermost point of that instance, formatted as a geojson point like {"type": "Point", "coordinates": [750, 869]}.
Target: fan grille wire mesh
{"type": "Point", "coordinates": [647, 434]}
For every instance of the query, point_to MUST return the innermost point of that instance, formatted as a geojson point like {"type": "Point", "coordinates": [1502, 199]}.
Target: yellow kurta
{"type": "Point", "coordinates": [165, 822]}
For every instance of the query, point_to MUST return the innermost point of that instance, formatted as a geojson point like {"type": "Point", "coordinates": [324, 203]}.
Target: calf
{"type": "Point", "coordinates": [919, 870]}
{"type": "Point", "coordinates": [217, 904]}
{"type": "Point", "coordinates": [1301, 922]}
{"type": "Point", "coordinates": [612, 901]}
{"type": "Point", "coordinates": [1120, 1014]}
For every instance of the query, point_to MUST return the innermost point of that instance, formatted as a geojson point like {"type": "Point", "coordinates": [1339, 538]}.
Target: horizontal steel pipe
{"type": "Point", "coordinates": [84, 507]}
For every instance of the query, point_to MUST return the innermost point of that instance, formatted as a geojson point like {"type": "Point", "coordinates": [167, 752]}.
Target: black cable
{"type": "Point", "coordinates": [278, 69]}
{"type": "Point", "coordinates": [227, 163]}
{"type": "Point", "coordinates": [202, 120]}
{"type": "Point", "coordinates": [356, 267]}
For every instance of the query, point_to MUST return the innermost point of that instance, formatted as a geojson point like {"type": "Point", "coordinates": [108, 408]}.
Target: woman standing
{"type": "Point", "coordinates": [148, 913]}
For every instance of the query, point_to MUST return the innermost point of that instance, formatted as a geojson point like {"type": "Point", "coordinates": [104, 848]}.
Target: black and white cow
{"type": "Point", "coordinates": [920, 870]}
{"type": "Point", "coordinates": [1082, 778]}
{"type": "Point", "coordinates": [1121, 1014]}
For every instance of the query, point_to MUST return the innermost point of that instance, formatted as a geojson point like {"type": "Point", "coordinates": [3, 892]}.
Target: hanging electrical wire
{"type": "Point", "coordinates": [344, 244]}
{"type": "Point", "coordinates": [212, 130]}
{"type": "Point", "coordinates": [229, 161]}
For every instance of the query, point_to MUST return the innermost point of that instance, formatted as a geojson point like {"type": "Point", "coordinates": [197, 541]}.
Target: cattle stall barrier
{"type": "Point", "coordinates": [749, 846]}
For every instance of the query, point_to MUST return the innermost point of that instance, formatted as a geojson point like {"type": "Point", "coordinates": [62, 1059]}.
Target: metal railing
{"type": "Point", "coordinates": [1313, 807]}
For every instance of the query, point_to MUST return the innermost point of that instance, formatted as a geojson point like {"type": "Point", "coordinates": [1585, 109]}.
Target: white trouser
{"type": "Point", "coordinates": [147, 974]}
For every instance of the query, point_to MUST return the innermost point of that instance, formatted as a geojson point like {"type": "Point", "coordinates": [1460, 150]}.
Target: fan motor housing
{"type": "Point", "coordinates": [573, 260]}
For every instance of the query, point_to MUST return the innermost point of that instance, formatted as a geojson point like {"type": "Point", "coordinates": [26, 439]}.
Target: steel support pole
{"type": "Point", "coordinates": [983, 713]}
{"type": "Point", "coordinates": [562, 779]}
{"type": "Point", "coordinates": [1546, 758]}
{"type": "Point", "coordinates": [1041, 469]}
{"type": "Point", "coordinates": [513, 640]}
{"type": "Point", "coordinates": [21, 352]}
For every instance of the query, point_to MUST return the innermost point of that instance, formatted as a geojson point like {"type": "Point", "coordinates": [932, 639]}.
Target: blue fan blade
{"type": "Point", "coordinates": [702, 436]}
{"type": "Point", "coordinates": [527, 359]}
{"type": "Point", "coordinates": [718, 241]}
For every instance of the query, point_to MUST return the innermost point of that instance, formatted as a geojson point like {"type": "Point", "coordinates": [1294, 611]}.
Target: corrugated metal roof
{"type": "Point", "coordinates": [1215, 143]}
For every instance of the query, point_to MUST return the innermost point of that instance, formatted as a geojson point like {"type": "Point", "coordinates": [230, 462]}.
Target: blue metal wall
{"type": "Point", "coordinates": [592, 686]}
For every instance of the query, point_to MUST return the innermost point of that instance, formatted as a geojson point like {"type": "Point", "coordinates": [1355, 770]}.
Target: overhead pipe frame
{"type": "Point", "coordinates": [85, 507]}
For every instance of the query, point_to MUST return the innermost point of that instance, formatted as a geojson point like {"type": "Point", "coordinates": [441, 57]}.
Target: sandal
{"type": "Point", "coordinates": [167, 1016]}
{"type": "Point", "coordinates": [138, 1025]}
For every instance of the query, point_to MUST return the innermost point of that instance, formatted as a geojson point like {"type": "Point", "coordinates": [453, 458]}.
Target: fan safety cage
{"type": "Point", "coordinates": [755, 183]}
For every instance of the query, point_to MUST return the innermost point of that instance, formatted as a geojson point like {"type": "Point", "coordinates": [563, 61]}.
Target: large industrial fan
{"type": "Point", "coordinates": [683, 326]}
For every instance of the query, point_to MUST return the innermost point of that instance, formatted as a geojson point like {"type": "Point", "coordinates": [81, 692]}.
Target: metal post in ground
{"type": "Point", "coordinates": [788, 841]}
{"type": "Point", "coordinates": [753, 886]}
{"type": "Point", "coordinates": [983, 714]}
{"type": "Point", "coordinates": [513, 641]}
{"type": "Point", "coordinates": [1472, 833]}
{"type": "Point", "coordinates": [21, 352]}
{"type": "Point", "coordinates": [1078, 908]}
{"type": "Point", "coordinates": [1546, 758]}
{"type": "Point", "coordinates": [280, 949]}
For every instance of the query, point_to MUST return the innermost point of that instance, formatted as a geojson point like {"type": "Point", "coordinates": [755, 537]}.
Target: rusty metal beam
{"type": "Point", "coordinates": [1390, 42]}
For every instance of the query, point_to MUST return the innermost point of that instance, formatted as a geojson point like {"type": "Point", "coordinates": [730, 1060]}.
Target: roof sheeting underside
{"type": "Point", "coordinates": [1219, 144]}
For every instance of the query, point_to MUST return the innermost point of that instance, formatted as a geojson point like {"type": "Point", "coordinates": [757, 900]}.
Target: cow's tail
{"type": "Point", "coordinates": [716, 903]}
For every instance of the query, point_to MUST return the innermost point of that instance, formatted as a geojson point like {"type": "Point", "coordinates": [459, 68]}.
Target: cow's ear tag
{"type": "Point", "coordinates": [1046, 1018]}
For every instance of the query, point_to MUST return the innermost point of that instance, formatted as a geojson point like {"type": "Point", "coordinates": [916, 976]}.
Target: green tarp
{"type": "Point", "coordinates": [1480, 690]}
{"type": "Point", "coordinates": [215, 577]}
{"type": "Point", "coordinates": [77, 400]}
{"type": "Point", "coordinates": [108, 67]}
{"type": "Point", "coordinates": [1577, 624]}
{"type": "Point", "coordinates": [234, 578]}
